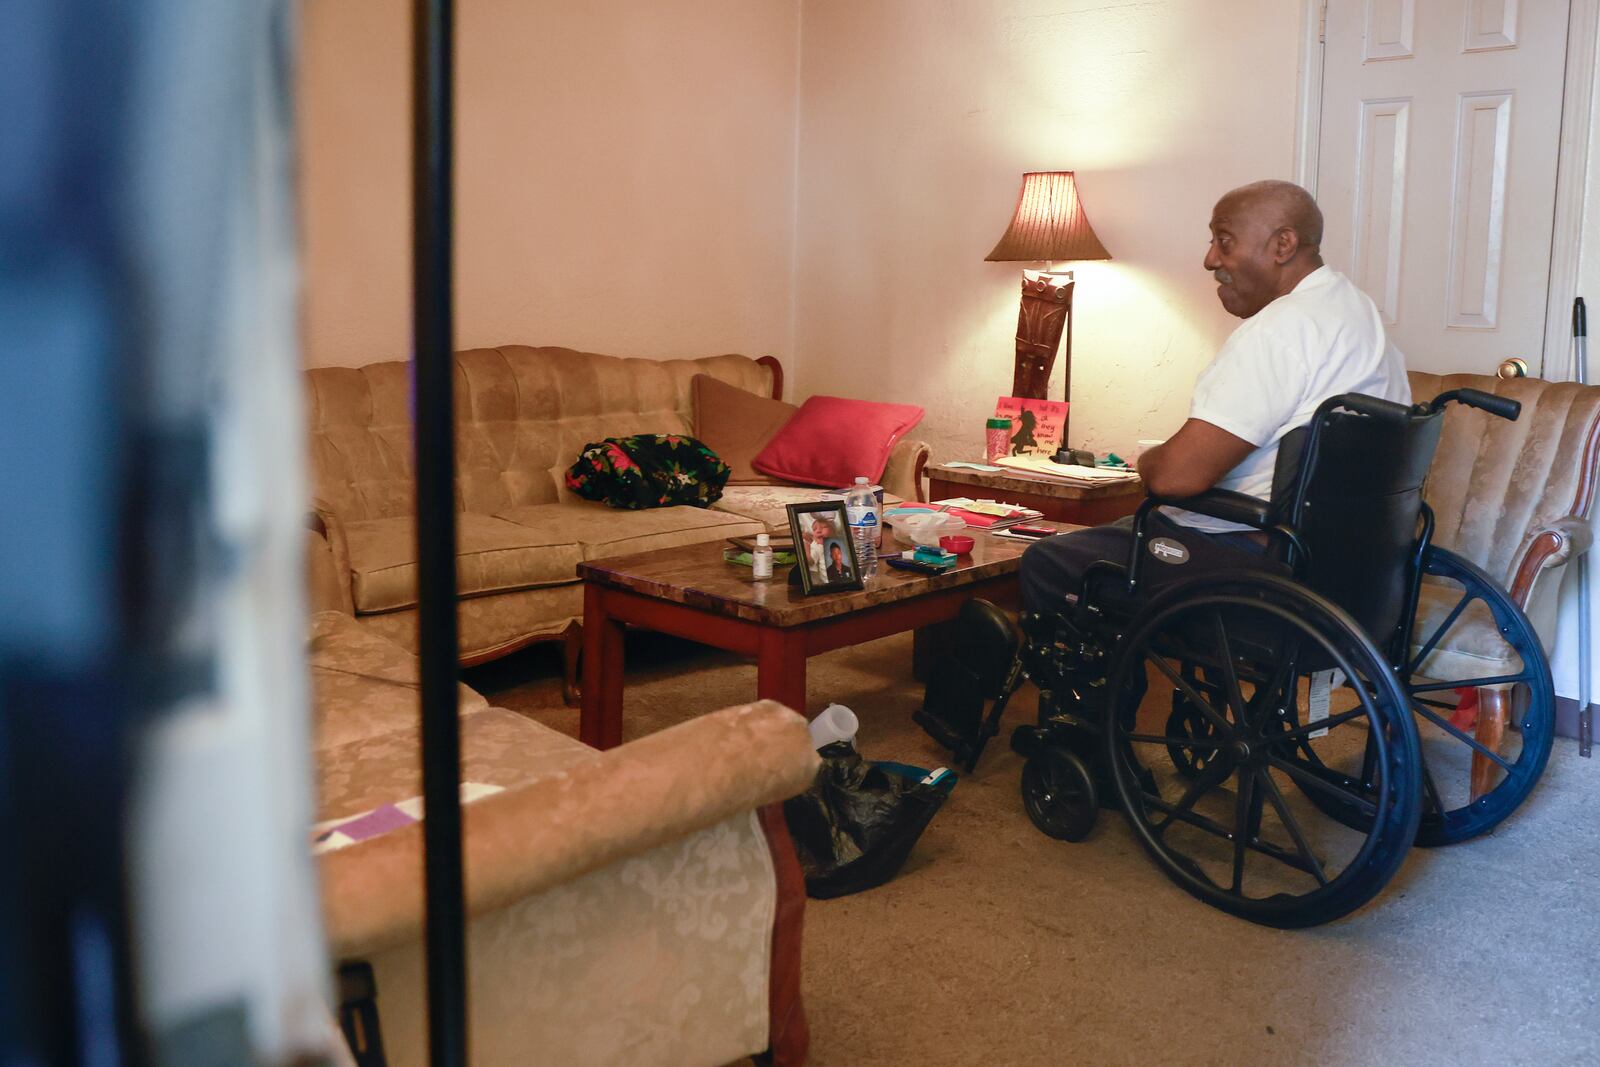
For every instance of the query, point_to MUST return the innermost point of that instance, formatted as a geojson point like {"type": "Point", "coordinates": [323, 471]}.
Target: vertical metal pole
{"type": "Point", "coordinates": [433, 342]}
{"type": "Point", "coordinates": [1580, 368]}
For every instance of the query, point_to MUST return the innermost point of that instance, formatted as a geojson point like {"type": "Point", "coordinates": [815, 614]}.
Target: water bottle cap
{"type": "Point", "coordinates": [998, 424]}
{"type": "Point", "coordinates": [861, 480]}
{"type": "Point", "coordinates": [762, 540]}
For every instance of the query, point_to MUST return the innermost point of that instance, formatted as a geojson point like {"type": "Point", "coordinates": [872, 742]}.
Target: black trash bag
{"type": "Point", "coordinates": [858, 822]}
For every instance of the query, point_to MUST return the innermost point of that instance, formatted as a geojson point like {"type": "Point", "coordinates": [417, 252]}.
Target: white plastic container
{"type": "Point", "coordinates": [761, 558]}
{"type": "Point", "coordinates": [835, 723]}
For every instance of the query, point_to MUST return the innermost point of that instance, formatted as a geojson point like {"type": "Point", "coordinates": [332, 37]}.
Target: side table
{"type": "Point", "coordinates": [1082, 505]}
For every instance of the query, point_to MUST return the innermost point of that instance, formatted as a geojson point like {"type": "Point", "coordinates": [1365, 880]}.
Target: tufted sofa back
{"type": "Point", "coordinates": [1493, 482]}
{"type": "Point", "coordinates": [522, 416]}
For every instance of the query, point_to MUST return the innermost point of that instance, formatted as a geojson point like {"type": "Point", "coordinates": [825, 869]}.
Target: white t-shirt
{"type": "Point", "coordinates": [1322, 339]}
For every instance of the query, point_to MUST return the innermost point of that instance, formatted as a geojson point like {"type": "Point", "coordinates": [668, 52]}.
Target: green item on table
{"type": "Point", "coordinates": [746, 559]}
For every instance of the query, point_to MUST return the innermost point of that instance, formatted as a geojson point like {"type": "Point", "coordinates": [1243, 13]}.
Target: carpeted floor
{"type": "Point", "coordinates": [997, 945]}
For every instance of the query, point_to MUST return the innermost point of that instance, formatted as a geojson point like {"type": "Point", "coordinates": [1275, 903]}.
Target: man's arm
{"type": "Point", "coordinates": [1192, 460]}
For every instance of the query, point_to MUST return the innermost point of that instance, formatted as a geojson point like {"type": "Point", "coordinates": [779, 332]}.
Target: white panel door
{"type": "Point", "coordinates": [1441, 122]}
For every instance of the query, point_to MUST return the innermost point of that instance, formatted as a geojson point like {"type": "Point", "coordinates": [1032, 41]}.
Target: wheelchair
{"type": "Point", "coordinates": [1305, 746]}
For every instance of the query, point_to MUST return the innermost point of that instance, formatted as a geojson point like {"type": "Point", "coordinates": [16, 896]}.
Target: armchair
{"type": "Point", "coordinates": [1516, 498]}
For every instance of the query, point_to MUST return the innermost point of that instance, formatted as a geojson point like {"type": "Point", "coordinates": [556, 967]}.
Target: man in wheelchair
{"type": "Point", "coordinates": [1276, 562]}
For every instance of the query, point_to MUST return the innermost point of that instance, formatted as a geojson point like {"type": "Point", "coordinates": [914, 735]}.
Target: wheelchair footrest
{"type": "Point", "coordinates": [981, 667]}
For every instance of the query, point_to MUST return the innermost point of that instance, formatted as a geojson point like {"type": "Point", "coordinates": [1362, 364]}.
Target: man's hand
{"type": "Point", "coordinates": [1192, 460]}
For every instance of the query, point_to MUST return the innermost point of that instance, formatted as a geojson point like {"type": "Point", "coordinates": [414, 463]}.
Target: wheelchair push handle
{"type": "Point", "coordinates": [1371, 406]}
{"type": "Point", "coordinates": [1502, 406]}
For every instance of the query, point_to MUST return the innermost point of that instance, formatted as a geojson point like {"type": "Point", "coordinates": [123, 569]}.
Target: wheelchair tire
{"type": "Point", "coordinates": [1250, 634]}
{"type": "Point", "coordinates": [1059, 794]}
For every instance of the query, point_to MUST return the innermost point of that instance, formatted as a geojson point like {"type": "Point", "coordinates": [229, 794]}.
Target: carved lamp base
{"type": "Point", "coordinates": [1046, 309]}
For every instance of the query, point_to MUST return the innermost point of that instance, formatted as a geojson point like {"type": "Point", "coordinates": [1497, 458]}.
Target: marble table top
{"type": "Point", "coordinates": [697, 576]}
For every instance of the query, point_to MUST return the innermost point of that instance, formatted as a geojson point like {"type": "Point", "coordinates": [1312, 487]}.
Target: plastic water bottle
{"type": "Point", "coordinates": [761, 558]}
{"type": "Point", "coordinates": [861, 506]}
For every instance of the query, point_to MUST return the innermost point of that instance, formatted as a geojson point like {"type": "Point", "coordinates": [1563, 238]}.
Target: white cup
{"type": "Point", "coordinates": [1142, 448]}
{"type": "Point", "coordinates": [836, 723]}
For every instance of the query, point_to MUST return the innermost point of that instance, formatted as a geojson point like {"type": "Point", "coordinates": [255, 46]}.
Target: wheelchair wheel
{"type": "Point", "coordinates": [1235, 835]}
{"type": "Point", "coordinates": [1059, 794]}
{"type": "Point", "coordinates": [1514, 762]}
{"type": "Point", "coordinates": [1462, 599]}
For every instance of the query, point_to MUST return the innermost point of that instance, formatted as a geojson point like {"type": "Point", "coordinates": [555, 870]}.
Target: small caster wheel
{"type": "Point", "coordinates": [1059, 794]}
{"type": "Point", "coordinates": [1191, 739]}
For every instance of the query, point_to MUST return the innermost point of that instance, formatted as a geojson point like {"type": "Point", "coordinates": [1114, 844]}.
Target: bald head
{"type": "Point", "coordinates": [1279, 205]}
{"type": "Point", "coordinates": [1265, 238]}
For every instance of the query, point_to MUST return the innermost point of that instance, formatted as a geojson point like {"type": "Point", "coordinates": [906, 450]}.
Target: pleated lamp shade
{"type": "Point", "coordinates": [1049, 224]}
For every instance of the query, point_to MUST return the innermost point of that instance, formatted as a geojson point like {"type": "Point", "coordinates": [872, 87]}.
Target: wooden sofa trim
{"type": "Point", "coordinates": [772, 364]}
{"type": "Point", "coordinates": [787, 1030]}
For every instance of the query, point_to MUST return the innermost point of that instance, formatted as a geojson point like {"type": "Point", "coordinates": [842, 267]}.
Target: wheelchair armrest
{"type": "Point", "coordinates": [1224, 504]}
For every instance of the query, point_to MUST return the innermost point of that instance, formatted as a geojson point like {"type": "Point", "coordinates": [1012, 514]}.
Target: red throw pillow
{"type": "Point", "coordinates": [832, 441]}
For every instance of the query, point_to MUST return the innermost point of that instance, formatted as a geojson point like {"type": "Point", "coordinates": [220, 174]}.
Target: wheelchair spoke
{"type": "Point", "coordinates": [1181, 742]}
{"type": "Point", "coordinates": [1292, 824]}
{"type": "Point", "coordinates": [1455, 613]}
{"type": "Point", "coordinates": [1216, 829]}
{"type": "Point", "coordinates": [1208, 779]}
{"type": "Point", "coordinates": [1284, 677]}
{"type": "Point", "coordinates": [1321, 724]}
{"type": "Point", "coordinates": [1468, 683]}
{"type": "Point", "coordinates": [1230, 672]}
{"type": "Point", "coordinates": [1314, 777]}
{"type": "Point", "coordinates": [1241, 825]}
{"type": "Point", "coordinates": [1191, 693]}
{"type": "Point", "coordinates": [1460, 735]}
{"type": "Point", "coordinates": [1192, 818]}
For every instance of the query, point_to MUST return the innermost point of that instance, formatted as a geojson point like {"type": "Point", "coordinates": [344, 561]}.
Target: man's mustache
{"type": "Point", "coordinates": [1222, 276]}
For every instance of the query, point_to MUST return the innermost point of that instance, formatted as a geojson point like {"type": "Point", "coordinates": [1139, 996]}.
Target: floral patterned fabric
{"type": "Point", "coordinates": [653, 470]}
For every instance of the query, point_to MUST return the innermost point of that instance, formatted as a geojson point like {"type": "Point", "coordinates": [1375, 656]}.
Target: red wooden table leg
{"type": "Point", "coordinates": [600, 724]}
{"type": "Point", "coordinates": [781, 668]}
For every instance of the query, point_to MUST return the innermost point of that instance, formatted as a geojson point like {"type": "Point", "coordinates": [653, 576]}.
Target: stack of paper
{"type": "Point", "coordinates": [1066, 472]}
{"type": "Point", "coordinates": [986, 514]}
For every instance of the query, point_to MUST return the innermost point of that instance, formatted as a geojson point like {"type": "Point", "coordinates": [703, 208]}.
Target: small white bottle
{"type": "Point", "coordinates": [761, 558]}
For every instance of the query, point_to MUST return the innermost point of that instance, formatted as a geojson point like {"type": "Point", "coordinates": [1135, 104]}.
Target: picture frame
{"type": "Point", "coordinates": [823, 547]}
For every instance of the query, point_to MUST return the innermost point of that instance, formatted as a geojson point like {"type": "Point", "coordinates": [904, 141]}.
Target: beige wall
{"type": "Point", "coordinates": [918, 118]}
{"type": "Point", "coordinates": [625, 176]}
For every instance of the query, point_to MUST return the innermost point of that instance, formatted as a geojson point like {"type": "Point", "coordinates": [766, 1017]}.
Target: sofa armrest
{"type": "Point", "coordinates": [322, 521]}
{"type": "Point", "coordinates": [902, 476]}
{"type": "Point", "coordinates": [1550, 545]}
{"type": "Point", "coordinates": [547, 832]}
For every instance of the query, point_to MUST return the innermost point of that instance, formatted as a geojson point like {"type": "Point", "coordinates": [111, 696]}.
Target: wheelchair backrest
{"type": "Point", "coordinates": [1357, 509]}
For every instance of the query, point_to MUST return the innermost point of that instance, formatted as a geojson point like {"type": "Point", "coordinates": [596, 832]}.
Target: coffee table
{"type": "Point", "coordinates": [692, 592]}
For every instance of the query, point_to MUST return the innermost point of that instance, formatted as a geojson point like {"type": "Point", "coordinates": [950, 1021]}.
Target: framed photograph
{"type": "Point", "coordinates": [827, 556]}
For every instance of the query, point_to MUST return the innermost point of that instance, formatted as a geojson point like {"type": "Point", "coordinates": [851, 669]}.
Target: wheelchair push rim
{"type": "Point", "coordinates": [1260, 850]}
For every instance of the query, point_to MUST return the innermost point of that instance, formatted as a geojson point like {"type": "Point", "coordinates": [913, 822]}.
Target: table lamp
{"type": "Point", "coordinates": [1049, 226]}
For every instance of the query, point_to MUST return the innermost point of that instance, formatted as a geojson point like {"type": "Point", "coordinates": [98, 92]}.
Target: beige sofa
{"type": "Point", "coordinates": [638, 906]}
{"type": "Point", "coordinates": [522, 417]}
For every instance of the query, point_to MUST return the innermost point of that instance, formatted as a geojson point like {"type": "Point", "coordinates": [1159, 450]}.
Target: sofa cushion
{"type": "Point", "coordinates": [492, 556]}
{"type": "Point", "coordinates": [832, 440]}
{"type": "Point", "coordinates": [600, 531]}
{"type": "Point", "coordinates": [737, 425]}
{"type": "Point", "coordinates": [363, 685]}
{"type": "Point", "coordinates": [498, 747]}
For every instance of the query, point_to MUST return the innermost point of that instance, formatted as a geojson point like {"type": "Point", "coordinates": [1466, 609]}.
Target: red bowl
{"type": "Point", "coordinates": [960, 544]}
